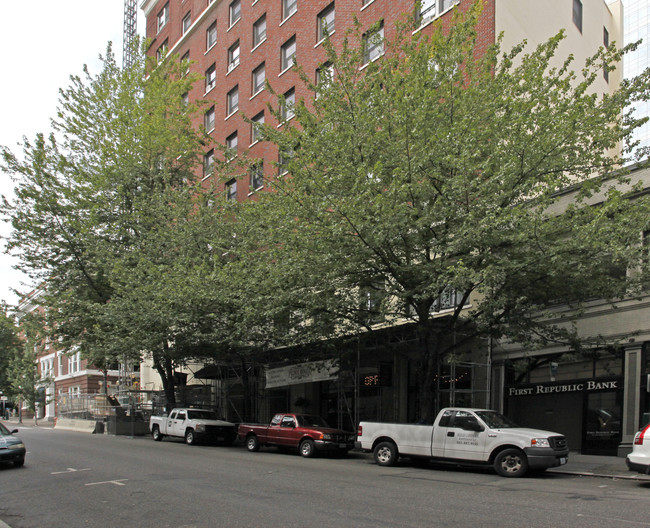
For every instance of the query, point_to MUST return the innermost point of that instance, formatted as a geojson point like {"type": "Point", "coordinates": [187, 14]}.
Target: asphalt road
{"type": "Point", "coordinates": [80, 480]}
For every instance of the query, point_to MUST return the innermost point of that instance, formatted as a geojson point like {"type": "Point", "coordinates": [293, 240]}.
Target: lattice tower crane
{"type": "Point", "coordinates": [130, 32]}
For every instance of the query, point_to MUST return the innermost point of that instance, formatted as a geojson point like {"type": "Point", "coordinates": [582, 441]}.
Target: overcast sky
{"type": "Point", "coordinates": [45, 42]}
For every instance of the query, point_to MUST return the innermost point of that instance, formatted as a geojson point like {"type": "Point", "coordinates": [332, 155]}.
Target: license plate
{"type": "Point", "coordinates": [563, 461]}
{"type": "Point", "coordinates": [342, 446]}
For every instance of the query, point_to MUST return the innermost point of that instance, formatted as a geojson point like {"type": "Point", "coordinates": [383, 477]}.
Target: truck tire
{"type": "Point", "coordinates": [190, 437]}
{"type": "Point", "coordinates": [386, 454]}
{"type": "Point", "coordinates": [307, 448]}
{"type": "Point", "coordinates": [511, 463]}
{"type": "Point", "coordinates": [155, 433]}
{"type": "Point", "coordinates": [252, 443]}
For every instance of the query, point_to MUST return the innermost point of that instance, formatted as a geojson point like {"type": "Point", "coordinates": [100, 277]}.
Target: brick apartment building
{"type": "Point", "coordinates": [65, 376]}
{"type": "Point", "coordinates": [239, 44]}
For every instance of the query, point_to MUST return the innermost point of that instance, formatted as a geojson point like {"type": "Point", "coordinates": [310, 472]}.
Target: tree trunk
{"type": "Point", "coordinates": [428, 396]}
{"type": "Point", "coordinates": [165, 368]}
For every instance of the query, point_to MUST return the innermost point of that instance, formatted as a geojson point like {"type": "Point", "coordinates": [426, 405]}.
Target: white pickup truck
{"type": "Point", "coordinates": [466, 436]}
{"type": "Point", "coordinates": [194, 425]}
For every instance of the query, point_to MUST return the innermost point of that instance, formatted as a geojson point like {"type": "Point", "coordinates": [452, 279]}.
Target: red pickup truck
{"type": "Point", "coordinates": [306, 432]}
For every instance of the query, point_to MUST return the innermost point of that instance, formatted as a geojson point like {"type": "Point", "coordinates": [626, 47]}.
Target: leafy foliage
{"type": "Point", "coordinates": [436, 172]}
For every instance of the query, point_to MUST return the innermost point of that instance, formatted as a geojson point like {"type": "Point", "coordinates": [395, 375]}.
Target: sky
{"type": "Point", "coordinates": [44, 43]}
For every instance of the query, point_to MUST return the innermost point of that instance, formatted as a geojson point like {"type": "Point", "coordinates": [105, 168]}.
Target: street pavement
{"type": "Point", "coordinates": [579, 464]}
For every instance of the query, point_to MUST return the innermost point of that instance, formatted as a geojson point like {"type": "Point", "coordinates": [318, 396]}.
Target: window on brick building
{"type": "Point", "coordinates": [284, 156]}
{"type": "Point", "coordinates": [324, 75]}
{"type": "Point", "coordinates": [232, 100]}
{"type": "Point", "coordinates": [257, 176]}
{"type": "Point", "coordinates": [259, 31]}
{"type": "Point", "coordinates": [256, 127]}
{"type": "Point", "coordinates": [289, 105]}
{"type": "Point", "coordinates": [259, 76]}
{"type": "Point", "coordinates": [208, 119]}
{"type": "Point", "coordinates": [373, 44]}
{"type": "Point", "coordinates": [185, 99]}
{"type": "Point", "coordinates": [187, 22]}
{"type": "Point", "coordinates": [163, 17]}
{"type": "Point", "coordinates": [233, 56]}
{"type": "Point", "coordinates": [326, 22]}
{"type": "Point", "coordinates": [185, 61]}
{"type": "Point", "coordinates": [288, 54]}
{"type": "Point", "coordinates": [161, 52]}
{"type": "Point", "coordinates": [231, 190]}
{"type": "Point", "coordinates": [231, 146]}
{"type": "Point", "coordinates": [210, 78]}
{"type": "Point", "coordinates": [235, 11]}
{"type": "Point", "coordinates": [289, 7]}
{"type": "Point", "coordinates": [208, 163]}
{"type": "Point", "coordinates": [211, 36]}
{"type": "Point", "coordinates": [577, 14]}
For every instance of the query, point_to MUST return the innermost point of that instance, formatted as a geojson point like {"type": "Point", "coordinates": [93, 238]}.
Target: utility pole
{"type": "Point", "coordinates": [130, 32]}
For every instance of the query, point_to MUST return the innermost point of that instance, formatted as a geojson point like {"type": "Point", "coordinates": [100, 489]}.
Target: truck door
{"type": "Point", "coordinates": [465, 437]}
{"type": "Point", "coordinates": [178, 424]}
{"type": "Point", "coordinates": [287, 432]}
{"type": "Point", "coordinates": [273, 430]}
{"type": "Point", "coordinates": [169, 422]}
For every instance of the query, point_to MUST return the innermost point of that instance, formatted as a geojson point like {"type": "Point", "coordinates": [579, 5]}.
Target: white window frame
{"type": "Point", "coordinates": [234, 12]}
{"type": "Point", "coordinates": [163, 17]}
{"type": "Point", "coordinates": [288, 60]}
{"type": "Point", "coordinates": [289, 7]}
{"type": "Point", "coordinates": [373, 44]}
{"type": "Point", "coordinates": [256, 123]}
{"type": "Point", "coordinates": [211, 36]}
{"type": "Point", "coordinates": [322, 22]}
{"type": "Point", "coordinates": [232, 142]}
{"type": "Point", "coordinates": [257, 88]}
{"type": "Point", "coordinates": [231, 190]}
{"type": "Point", "coordinates": [209, 119]}
{"type": "Point", "coordinates": [257, 176]}
{"type": "Point", "coordinates": [186, 23]}
{"type": "Point", "coordinates": [232, 100]}
{"type": "Point", "coordinates": [289, 105]}
{"type": "Point", "coordinates": [210, 78]}
{"type": "Point", "coordinates": [234, 53]}
{"type": "Point", "coordinates": [257, 39]}
{"type": "Point", "coordinates": [208, 163]}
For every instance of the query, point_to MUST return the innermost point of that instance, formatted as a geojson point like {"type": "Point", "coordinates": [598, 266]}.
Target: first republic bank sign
{"type": "Point", "coordinates": [554, 388]}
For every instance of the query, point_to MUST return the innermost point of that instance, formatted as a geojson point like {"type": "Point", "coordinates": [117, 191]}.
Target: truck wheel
{"type": "Point", "coordinates": [386, 454]}
{"type": "Point", "coordinates": [252, 443]}
{"type": "Point", "coordinates": [511, 463]}
{"type": "Point", "coordinates": [307, 448]}
{"type": "Point", "coordinates": [155, 434]}
{"type": "Point", "coordinates": [190, 438]}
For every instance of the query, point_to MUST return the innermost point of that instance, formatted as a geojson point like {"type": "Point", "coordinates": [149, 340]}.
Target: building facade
{"type": "Point", "coordinates": [238, 45]}
{"type": "Point", "coordinates": [65, 377]}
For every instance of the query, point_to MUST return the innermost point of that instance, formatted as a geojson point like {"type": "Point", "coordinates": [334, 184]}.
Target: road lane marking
{"type": "Point", "coordinates": [119, 482]}
{"type": "Point", "coordinates": [69, 470]}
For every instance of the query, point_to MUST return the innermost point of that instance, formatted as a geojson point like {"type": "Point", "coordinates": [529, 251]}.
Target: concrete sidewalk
{"type": "Point", "coordinates": [581, 465]}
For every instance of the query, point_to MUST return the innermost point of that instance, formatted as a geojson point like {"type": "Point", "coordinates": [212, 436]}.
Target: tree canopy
{"type": "Point", "coordinates": [423, 187]}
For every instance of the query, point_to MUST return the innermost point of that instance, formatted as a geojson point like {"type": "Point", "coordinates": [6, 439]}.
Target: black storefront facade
{"type": "Point", "coordinates": [597, 398]}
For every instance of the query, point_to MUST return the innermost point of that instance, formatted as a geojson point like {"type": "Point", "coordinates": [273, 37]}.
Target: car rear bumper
{"type": "Point", "coordinates": [642, 466]}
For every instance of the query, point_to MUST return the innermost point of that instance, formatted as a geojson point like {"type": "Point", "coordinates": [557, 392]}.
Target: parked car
{"type": "Point", "coordinates": [467, 436]}
{"type": "Point", "coordinates": [12, 448]}
{"type": "Point", "coordinates": [639, 459]}
{"type": "Point", "coordinates": [194, 425]}
{"type": "Point", "coordinates": [306, 432]}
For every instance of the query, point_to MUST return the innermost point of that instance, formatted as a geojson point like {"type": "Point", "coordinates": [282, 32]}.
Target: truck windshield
{"type": "Point", "coordinates": [202, 415]}
{"type": "Point", "coordinates": [311, 421]}
{"type": "Point", "coordinates": [494, 420]}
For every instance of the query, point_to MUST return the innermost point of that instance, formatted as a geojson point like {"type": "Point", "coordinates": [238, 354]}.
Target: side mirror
{"type": "Point", "coordinates": [14, 431]}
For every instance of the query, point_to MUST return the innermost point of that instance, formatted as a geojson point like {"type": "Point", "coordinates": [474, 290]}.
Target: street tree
{"type": "Point", "coordinates": [9, 347]}
{"type": "Point", "coordinates": [108, 217]}
{"type": "Point", "coordinates": [434, 173]}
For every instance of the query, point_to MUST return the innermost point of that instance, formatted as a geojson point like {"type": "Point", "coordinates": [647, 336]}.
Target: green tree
{"type": "Point", "coordinates": [436, 170]}
{"type": "Point", "coordinates": [107, 215]}
{"type": "Point", "coordinates": [9, 347]}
